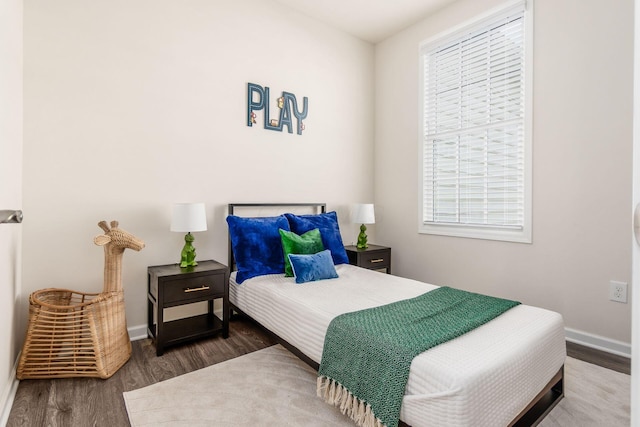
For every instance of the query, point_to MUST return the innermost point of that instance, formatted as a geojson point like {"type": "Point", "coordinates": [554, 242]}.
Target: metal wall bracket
{"type": "Point", "coordinates": [10, 217]}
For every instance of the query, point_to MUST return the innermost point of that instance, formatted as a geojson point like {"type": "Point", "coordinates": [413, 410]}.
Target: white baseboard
{"type": "Point", "coordinates": [137, 333]}
{"type": "Point", "coordinates": [598, 342]}
{"type": "Point", "coordinates": [572, 335]}
{"type": "Point", "coordinates": [9, 395]}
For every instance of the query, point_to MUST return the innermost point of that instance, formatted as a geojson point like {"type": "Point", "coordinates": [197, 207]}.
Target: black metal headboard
{"type": "Point", "coordinates": [233, 207]}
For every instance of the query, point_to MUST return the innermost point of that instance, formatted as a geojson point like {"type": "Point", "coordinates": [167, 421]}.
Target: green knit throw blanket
{"type": "Point", "coordinates": [367, 354]}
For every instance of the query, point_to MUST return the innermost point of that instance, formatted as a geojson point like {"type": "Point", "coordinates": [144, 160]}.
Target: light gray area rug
{"type": "Point", "coordinates": [274, 387]}
{"type": "Point", "coordinates": [269, 387]}
{"type": "Point", "coordinates": [593, 397]}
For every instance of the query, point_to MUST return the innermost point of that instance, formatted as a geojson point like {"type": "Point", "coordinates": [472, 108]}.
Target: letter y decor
{"type": "Point", "coordinates": [258, 99]}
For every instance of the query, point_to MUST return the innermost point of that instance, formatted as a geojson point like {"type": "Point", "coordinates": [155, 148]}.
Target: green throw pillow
{"type": "Point", "coordinates": [306, 244]}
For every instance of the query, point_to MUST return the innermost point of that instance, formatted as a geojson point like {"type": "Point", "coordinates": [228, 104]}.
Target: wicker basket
{"type": "Point", "coordinates": [74, 334]}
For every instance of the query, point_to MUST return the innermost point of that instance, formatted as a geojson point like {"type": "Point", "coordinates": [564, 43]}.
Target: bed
{"type": "Point", "coordinates": [508, 371]}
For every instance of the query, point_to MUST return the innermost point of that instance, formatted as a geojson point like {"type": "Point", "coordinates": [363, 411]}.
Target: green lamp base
{"type": "Point", "coordinates": [188, 254]}
{"type": "Point", "coordinates": [362, 238]}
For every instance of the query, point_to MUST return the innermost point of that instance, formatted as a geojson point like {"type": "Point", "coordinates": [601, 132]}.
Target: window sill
{"type": "Point", "coordinates": [471, 232]}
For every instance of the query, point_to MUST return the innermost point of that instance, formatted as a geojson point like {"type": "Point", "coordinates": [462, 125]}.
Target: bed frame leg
{"type": "Point", "coordinates": [544, 402]}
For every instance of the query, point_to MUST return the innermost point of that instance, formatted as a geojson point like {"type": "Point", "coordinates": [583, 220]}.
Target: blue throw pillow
{"type": "Point", "coordinates": [307, 268]}
{"type": "Point", "coordinates": [329, 229]}
{"type": "Point", "coordinates": [256, 245]}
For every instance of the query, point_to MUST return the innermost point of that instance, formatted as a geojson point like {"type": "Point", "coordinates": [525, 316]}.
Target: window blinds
{"type": "Point", "coordinates": [473, 129]}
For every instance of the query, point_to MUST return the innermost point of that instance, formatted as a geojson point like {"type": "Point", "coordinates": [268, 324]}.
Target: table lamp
{"type": "Point", "coordinates": [189, 217]}
{"type": "Point", "coordinates": [363, 214]}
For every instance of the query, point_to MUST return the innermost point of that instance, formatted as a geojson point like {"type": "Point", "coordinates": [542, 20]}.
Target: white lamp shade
{"type": "Point", "coordinates": [363, 214]}
{"type": "Point", "coordinates": [189, 217]}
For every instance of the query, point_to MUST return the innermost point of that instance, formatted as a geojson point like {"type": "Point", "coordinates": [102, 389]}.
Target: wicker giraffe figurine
{"type": "Point", "coordinates": [78, 334]}
{"type": "Point", "coordinates": [115, 241]}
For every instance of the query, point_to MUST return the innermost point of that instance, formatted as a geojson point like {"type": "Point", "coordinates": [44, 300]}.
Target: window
{"type": "Point", "coordinates": [476, 129]}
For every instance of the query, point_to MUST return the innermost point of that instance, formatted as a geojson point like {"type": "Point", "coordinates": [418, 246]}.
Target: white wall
{"type": "Point", "coordinates": [582, 174]}
{"type": "Point", "coordinates": [133, 105]}
{"type": "Point", "coordinates": [10, 194]}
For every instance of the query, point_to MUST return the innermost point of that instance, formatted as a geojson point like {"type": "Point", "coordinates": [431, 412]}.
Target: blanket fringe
{"type": "Point", "coordinates": [335, 394]}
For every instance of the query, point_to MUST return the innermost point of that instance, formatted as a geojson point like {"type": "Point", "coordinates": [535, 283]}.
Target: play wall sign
{"type": "Point", "coordinates": [287, 114]}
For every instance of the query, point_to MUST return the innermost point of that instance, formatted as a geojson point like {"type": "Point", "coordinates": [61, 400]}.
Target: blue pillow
{"type": "Point", "coordinates": [256, 245]}
{"type": "Point", "coordinates": [329, 229]}
{"type": "Point", "coordinates": [308, 268]}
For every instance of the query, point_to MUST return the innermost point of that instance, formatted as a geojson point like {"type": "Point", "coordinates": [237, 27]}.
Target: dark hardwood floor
{"type": "Point", "coordinates": [95, 402]}
{"type": "Point", "coordinates": [600, 358]}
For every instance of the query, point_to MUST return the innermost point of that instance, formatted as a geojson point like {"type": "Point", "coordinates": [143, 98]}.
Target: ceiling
{"type": "Point", "coordinates": [369, 20]}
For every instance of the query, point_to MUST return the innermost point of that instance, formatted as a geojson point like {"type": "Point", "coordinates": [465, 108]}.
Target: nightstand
{"type": "Point", "coordinates": [172, 286]}
{"type": "Point", "coordinates": [375, 257]}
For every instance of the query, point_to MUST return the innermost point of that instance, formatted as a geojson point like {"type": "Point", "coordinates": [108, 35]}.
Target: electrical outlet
{"type": "Point", "coordinates": [618, 291]}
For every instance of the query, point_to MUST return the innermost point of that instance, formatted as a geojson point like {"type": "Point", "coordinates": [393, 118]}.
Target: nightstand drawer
{"type": "Point", "coordinates": [375, 260]}
{"type": "Point", "coordinates": [201, 288]}
{"type": "Point", "coordinates": [374, 257]}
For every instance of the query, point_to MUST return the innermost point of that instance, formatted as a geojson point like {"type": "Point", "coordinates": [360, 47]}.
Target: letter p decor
{"type": "Point", "coordinates": [252, 104]}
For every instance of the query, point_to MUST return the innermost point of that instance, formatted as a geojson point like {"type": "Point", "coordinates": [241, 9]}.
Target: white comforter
{"type": "Point", "coordinates": [484, 378]}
